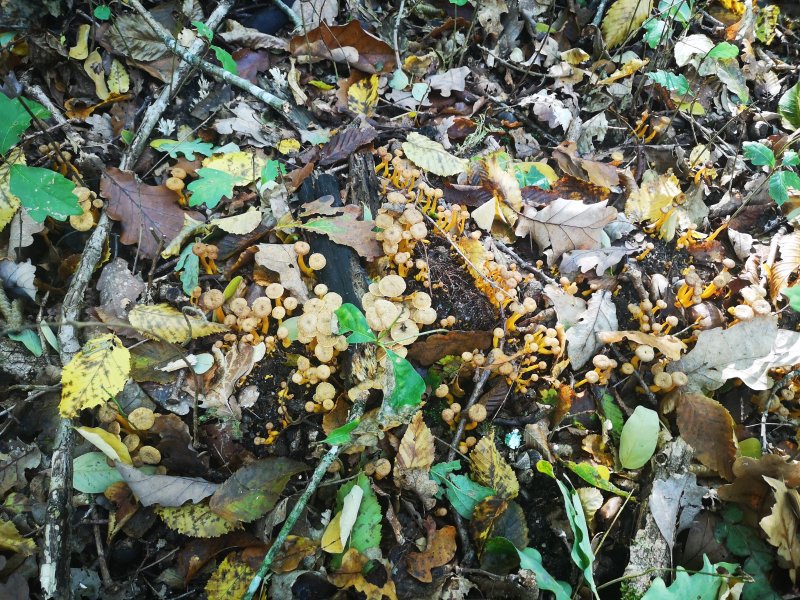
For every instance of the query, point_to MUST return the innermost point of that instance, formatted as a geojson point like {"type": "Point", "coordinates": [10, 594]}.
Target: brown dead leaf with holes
{"type": "Point", "coordinates": [440, 550]}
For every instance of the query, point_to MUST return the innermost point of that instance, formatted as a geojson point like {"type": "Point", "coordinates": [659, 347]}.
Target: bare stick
{"type": "Point", "coordinates": [283, 107]}
{"type": "Point", "coordinates": [462, 423]}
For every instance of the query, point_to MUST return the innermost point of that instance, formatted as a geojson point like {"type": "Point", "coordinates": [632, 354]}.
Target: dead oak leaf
{"type": "Point", "coordinates": [344, 43]}
{"type": "Point", "coordinates": [440, 551]}
{"type": "Point", "coordinates": [149, 214]}
{"type": "Point", "coordinates": [565, 225]}
{"type": "Point", "coordinates": [414, 459]}
{"type": "Point", "coordinates": [165, 490]}
{"type": "Point", "coordinates": [343, 225]}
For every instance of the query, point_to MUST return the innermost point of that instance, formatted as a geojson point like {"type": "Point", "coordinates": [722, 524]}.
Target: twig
{"type": "Point", "coordinates": [650, 396]}
{"type": "Point", "coordinates": [39, 95]}
{"type": "Point", "coordinates": [101, 556]}
{"type": "Point", "coordinates": [396, 27]}
{"type": "Point", "coordinates": [297, 22]}
{"type": "Point", "coordinates": [462, 423]}
{"type": "Point", "coordinates": [311, 487]}
{"type": "Point", "coordinates": [525, 264]}
{"type": "Point", "coordinates": [283, 107]}
{"type": "Point", "coordinates": [600, 11]}
{"type": "Point", "coordinates": [157, 108]}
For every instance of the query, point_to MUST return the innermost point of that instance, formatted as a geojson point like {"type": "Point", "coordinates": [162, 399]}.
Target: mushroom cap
{"type": "Point", "coordinates": [743, 312]}
{"type": "Point", "coordinates": [239, 307]}
{"type": "Point", "coordinates": [645, 353]}
{"type": "Point", "coordinates": [392, 286]}
{"type": "Point", "coordinates": [317, 261]}
{"type": "Point", "coordinates": [142, 418]}
{"type": "Point", "coordinates": [477, 413]}
{"type": "Point", "coordinates": [663, 380]}
{"type": "Point", "coordinates": [332, 300]}
{"type": "Point", "coordinates": [404, 332]}
{"type": "Point", "coordinates": [412, 216]}
{"type": "Point", "coordinates": [424, 316]}
{"type": "Point", "coordinates": [212, 299]}
{"type": "Point", "coordinates": [149, 455]}
{"type": "Point", "coordinates": [274, 291]}
{"type": "Point", "coordinates": [421, 300]}
{"type": "Point", "coordinates": [290, 303]}
{"type": "Point", "coordinates": [302, 248]}
{"type": "Point", "coordinates": [320, 290]}
{"type": "Point", "coordinates": [324, 390]}
{"type": "Point", "coordinates": [174, 183]}
{"type": "Point", "coordinates": [262, 307]}
{"type": "Point", "coordinates": [278, 312]}
{"type": "Point", "coordinates": [679, 378]}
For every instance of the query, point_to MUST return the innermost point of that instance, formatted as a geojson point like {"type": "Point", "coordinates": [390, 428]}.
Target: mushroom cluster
{"type": "Point", "coordinates": [90, 204]}
{"type": "Point", "coordinates": [387, 309]}
{"type": "Point", "coordinates": [135, 427]}
{"type": "Point", "coordinates": [316, 325]}
{"type": "Point", "coordinates": [401, 229]}
{"type": "Point", "coordinates": [754, 302]}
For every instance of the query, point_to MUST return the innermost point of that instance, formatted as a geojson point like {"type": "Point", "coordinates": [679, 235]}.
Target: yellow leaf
{"type": "Point", "coordinates": [431, 156]}
{"type": "Point", "coordinates": [490, 469]}
{"type": "Point", "coordinates": [416, 448]}
{"type": "Point", "coordinates": [623, 18]}
{"type": "Point", "coordinates": [245, 165]}
{"type": "Point", "coordinates": [781, 525]}
{"type": "Point", "coordinates": [734, 6]}
{"type": "Point", "coordinates": [230, 580]}
{"type": "Point", "coordinates": [657, 192]}
{"type": "Point", "coordinates": [542, 167]}
{"type": "Point", "coordinates": [107, 442]}
{"type": "Point", "coordinates": [94, 69]}
{"type": "Point", "coordinates": [321, 84]}
{"type": "Point", "coordinates": [331, 539]}
{"type": "Point", "coordinates": [363, 96]}
{"type": "Point", "coordinates": [239, 224]}
{"type": "Point", "coordinates": [9, 203]}
{"type": "Point", "coordinates": [195, 520]}
{"type": "Point", "coordinates": [288, 146]}
{"type": "Point", "coordinates": [10, 539]}
{"type": "Point", "coordinates": [81, 48]}
{"type": "Point", "coordinates": [118, 80]}
{"type": "Point", "coordinates": [629, 68]}
{"type": "Point", "coordinates": [95, 374]}
{"type": "Point", "coordinates": [350, 575]}
{"type": "Point", "coordinates": [165, 323]}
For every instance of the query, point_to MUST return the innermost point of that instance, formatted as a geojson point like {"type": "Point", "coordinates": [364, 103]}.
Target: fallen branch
{"type": "Point", "coordinates": [284, 108]}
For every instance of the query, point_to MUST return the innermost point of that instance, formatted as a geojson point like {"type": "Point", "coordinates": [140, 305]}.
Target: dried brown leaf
{"type": "Point", "coordinates": [708, 427]}
{"type": "Point", "coordinates": [440, 550]}
{"type": "Point", "coordinates": [344, 43]}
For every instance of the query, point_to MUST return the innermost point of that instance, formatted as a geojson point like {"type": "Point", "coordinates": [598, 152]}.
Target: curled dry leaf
{"type": "Point", "coordinates": [414, 459]}
{"type": "Point", "coordinates": [431, 156]}
{"type": "Point", "coordinates": [669, 345]}
{"type": "Point", "coordinates": [163, 322]}
{"type": "Point", "coordinates": [781, 525]}
{"type": "Point", "coordinates": [344, 43]}
{"type": "Point", "coordinates": [623, 18]}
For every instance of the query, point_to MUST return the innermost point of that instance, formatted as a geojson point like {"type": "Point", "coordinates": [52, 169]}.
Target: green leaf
{"type": "Point", "coordinates": [790, 158]}
{"type": "Point", "coordinates": [500, 556]}
{"type": "Point", "coordinates": [639, 438]}
{"type": "Point", "coordinates": [758, 154]}
{"type": "Point", "coordinates": [439, 473]}
{"type": "Point", "coordinates": [29, 339]}
{"type": "Point", "coordinates": [670, 81]}
{"type": "Point", "coordinates": [185, 147]}
{"type": "Point", "coordinates": [459, 2]}
{"type": "Point", "coordinates": [271, 170]}
{"type": "Point", "coordinates": [656, 30]}
{"type": "Point", "coordinates": [581, 554]}
{"type": "Point", "coordinates": [16, 120]}
{"type": "Point", "coordinates": [530, 559]}
{"type": "Point", "coordinates": [212, 185]}
{"type": "Point", "coordinates": [204, 30]}
{"type": "Point", "coordinates": [50, 336]}
{"type": "Point", "coordinates": [592, 476]}
{"type": "Point", "coordinates": [126, 136]}
{"type": "Point", "coordinates": [613, 413]}
{"type": "Point", "coordinates": [102, 12]}
{"type": "Point", "coordinates": [751, 447]}
{"type": "Point", "coordinates": [680, 10]}
{"type": "Point", "coordinates": [44, 193]}
{"type": "Point", "coordinates": [704, 585]}
{"type": "Point", "coordinates": [366, 531]}
{"type": "Point", "coordinates": [789, 107]}
{"type": "Point", "coordinates": [92, 475]}
{"type": "Point", "coordinates": [254, 489]}
{"type": "Point", "coordinates": [779, 185]}
{"type": "Point", "coordinates": [463, 493]}
{"type": "Point", "coordinates": [6, 37]}
{"type": "Point", "coordinates": [793, 294]}
{"type": "Point", "coordinates": [225, 58]}
{"type": "Point", "coordinates": [407, 386]}
{"type": "Point", "coordinates": [399, 80]}
{"type": "Point", "coordinates": [723, 50]}
{"type": "Point", "coordinates": [189, 266]}
{"type": "Point", "coordinates": [532, 177]}
{"type": "Point", "coordinates": [353, 320]}
{"type": "Point", "coordinates": [341, 435]}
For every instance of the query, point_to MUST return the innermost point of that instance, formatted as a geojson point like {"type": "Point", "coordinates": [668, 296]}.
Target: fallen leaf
{"type": "Point", "coordinates": [108, 443]}
{"type": "Point", "coordinates": [449, 81]}
{"type": "Point", "coordinates": [14, 462]}
{"type": "Point", "coordinates": [350, 575]}
{"type": "Point", "coordinates": [708, 427]}
{"type": "Point", "coordinates": [165, 490]}
{"type": "Point", "coordinates": [414, 459]}
{"type": "Point", "coordinates": [362, 96]}
{"type": "Point", "coordinates": [345, 142]}
{"type": "Point", "coordinates": [639, 438]}
{"type": "Point", "coordinates": [565, 225]}
{"type": "Point", "coordinates": [622, 19]}
{"type": "Point", "coordinates": [195, 520]}
{"type": "Point", "coordinates": [10, 539]}
{"type": "Point", "coordinates": [749, 487]}
{"type": "Point", "coordinates": [674, 504]}
{"type": "Point", "coordinates": [148, 214]}
{"type": "Point", "coordinates": [239, 224]}
{"type": "Point", "coordinates": [599, 260]}
{"type": "Point", "coordinates": [282, 259]}
{"type": "Point", "coordinates": [293, 551]}
{"type": "Point", "coordinates": [669, 345]}
{"type": "Point", "coordinates": [118, 287]}
{"type": "Point", "coordinates": [18, 278]}
{"type": "Point", "coordinates": [344, 43]}
{"type": "Point", "coordinates": [568, 307]}
{"type": "Point", "coordinates": [231, 579]}
{"type": "Point", "coordinates": [498, 517]}
{"type": "Point", "coordinates": [431, 156]}
{"type": "Point", "coordinates": [656, 193]}
{"type": "Point", "coordinates": [789, 263]}
{"type": "Point", "coordinates": [344, 226]}
{"type": "Point", "coordinates": [582, 342]}
{"type": "Point", "coordinates": [432, 348]}
{"type": "Point", "coordinates": [489, 468]}
{"type": "Point", "coordinates": [781, 525]}
{"type": "Point", "coordinates": [747, 350]}
{"type": "Point", "coordinates": [246, 122]}
{"type": "Point", "coordinates": [166, 323]}
{"type": "Point", "coordinates": [94, 375]}
{"type": "Point", "coordinates": [549, 109]}
{"type": "Point", "coordinates": [232, 367]}
{"type": "Point", "coordinates": [254, 489]}
{"type": "Point", "coordinates": [244, 166]}
{"type": "Point", "coordinates": [600, 174]}
{"type": "Point", "coordinates": [440, 550]}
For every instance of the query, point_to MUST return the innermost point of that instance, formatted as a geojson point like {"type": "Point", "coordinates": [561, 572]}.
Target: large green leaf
{"type": "Point", "coordinates": [463, 493]}
{"type": "Point", "coordinates": [724, 50]}
{"type": "Point", "coordinates": [758, 154]}
{"type": "Point", "coordinates": [15, 120]}
{"type": "Point", "coordinates": [531, 560]}
{"type": "Point", "coordinates": [789, 107]}
{"type": "Point", "coordinates": [352, 321]}
{"type": "Point", "coordinates": [212, 185]}
{"type": "Point", "coordinates": [406, 386]}
{"type": "Point", "coordinates": [704, 585]}
{"type": "Point", "coordinates": [366, 532]}
{"type": "Point", "coordinates": [91, 473]}
{"type": "Point", "coordinates": [44, 193]}
{"type": "Point", "coordinates": [779, 184]}
{"type": "Point", "coordinates": [671, 81]}
{"type": "Point", "coordinates": [639, 438]}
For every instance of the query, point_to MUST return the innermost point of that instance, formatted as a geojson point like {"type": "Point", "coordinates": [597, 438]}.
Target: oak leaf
{"type": "Point", "coordinates": [582, 341]}
{"type": "Point", "coordinates": [344, 43]}
{"type": "Point", "coordinates": [669, 345]}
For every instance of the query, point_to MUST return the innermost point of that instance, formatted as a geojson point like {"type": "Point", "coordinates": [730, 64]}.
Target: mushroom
{"type": "Point", "coordinates": [392, 286]}
{"type": "Point", "coordinates": [141, 418]}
